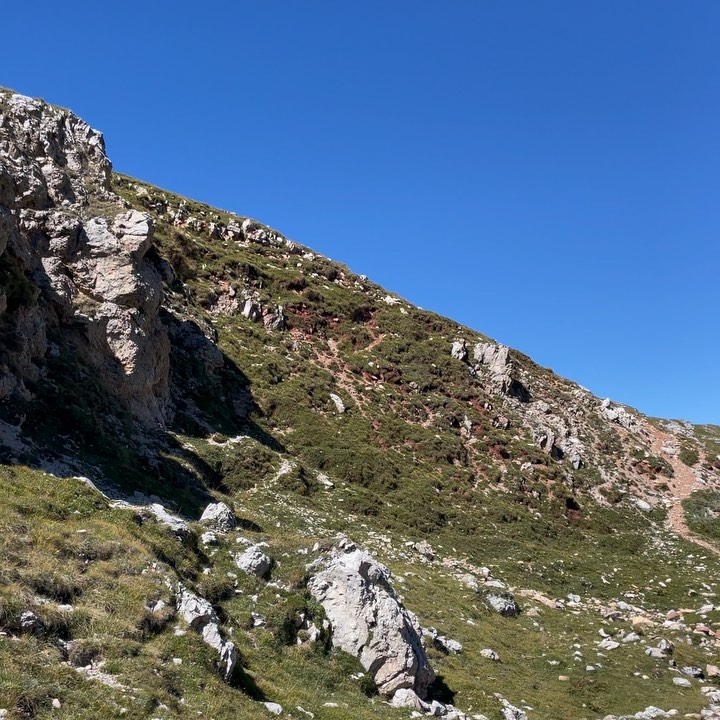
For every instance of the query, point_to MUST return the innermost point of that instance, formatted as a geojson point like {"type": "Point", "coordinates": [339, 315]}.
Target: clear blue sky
{"type": "Point", "coordinates": [545, 172]}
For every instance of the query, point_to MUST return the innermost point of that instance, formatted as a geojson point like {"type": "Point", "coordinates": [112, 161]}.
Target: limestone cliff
{"type": "Point", "coordinates": [73, 260]}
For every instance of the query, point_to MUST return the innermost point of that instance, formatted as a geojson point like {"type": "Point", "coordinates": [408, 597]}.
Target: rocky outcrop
{"type": "Point", "coordinates": [369, 621]}
{"type": "Point", "coordinates": [619, 415]}
{"type": "Point", "coordinates": [495, 359]}
{"type": "Point", "coordinates": [76, 255]}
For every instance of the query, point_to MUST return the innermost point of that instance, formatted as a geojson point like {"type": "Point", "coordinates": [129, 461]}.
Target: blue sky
{"type": "Point", "coordinates": [545, 172]}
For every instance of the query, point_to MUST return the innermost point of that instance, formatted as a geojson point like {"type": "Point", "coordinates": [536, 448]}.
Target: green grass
{"type": "Point", "coordinates": [702, 511]}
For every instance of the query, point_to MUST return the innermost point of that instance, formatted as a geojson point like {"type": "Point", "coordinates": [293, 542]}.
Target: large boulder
{"type": "Point", "coordinates": [369, 621]}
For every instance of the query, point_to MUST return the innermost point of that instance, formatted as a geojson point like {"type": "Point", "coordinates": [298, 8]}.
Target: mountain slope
{"type": "Point", "coordinates": [172, 354]}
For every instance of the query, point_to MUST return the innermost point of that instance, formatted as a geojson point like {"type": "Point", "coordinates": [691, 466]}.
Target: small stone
{"type": "Point", "coordinates": [339, 404]}
{"type": "Point", "coordinates": [425, 549]}
{"type": "Point", "coordinates": [56, 704]}
{"type": "Point", "coordinates": [682, 682]}
{"type": "Point", "coordinates": [502, 603]}
{"type": "Point", "coordinates": [274, 708]}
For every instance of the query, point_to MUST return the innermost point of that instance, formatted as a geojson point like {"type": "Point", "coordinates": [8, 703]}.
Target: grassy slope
{"type": "Point", "coordinates": [402, 469]}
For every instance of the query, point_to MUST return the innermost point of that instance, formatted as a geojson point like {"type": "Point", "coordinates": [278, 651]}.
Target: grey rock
{"type": "Point", "coordinates": [441, 642]}
{"type": "Point", "coordinates": [339, 404]}
{"type": "Point", "coordinates": [92, 277]}
{"type": "Point", "coordinates": [407, 698]}
{"type": "Point", "coordinates": [489, 654]}
{"type": "Point", "coordinates": [496, 358]}
{"type": "Point", "coordinates": [30, 622]}
{"type": "Point", "coordinates": [470, 582]}
{"type": "Point", "coordinates": [425, 549]}
{"type": "Point", "coordinates": [459, 350]}
{"type": "Point", "coordinates": [511, 712]}
{"type": "Point", "coordinates": [368, 620]}
{"type": "Point", "coordinates": [175, 523]}
{"type": "Point", "coordinates": [275, 319]}
{"type": "Point", "coordinates": [682, 682]}
{"type": "Point", "coordinates": [619, 415]}
{"type": "Point", "coordinates": [501, 602]}
{"type": "Point", "coordinates": [437, 708]}
{"type": "Point", "coordinates": [208, 538]}
{"type": "Point", "coordinates": [273, 707]}
{"type": "Point", "coordinates": [219, 517]}
{"type": "Point", "coordinates": [251, 310]}
{"type": "Point", "coordinates": [651, 713]}
{"type": "Point", "coordinates": [201, 617]}
{"type": "Point", "coordinates": [254, 562]}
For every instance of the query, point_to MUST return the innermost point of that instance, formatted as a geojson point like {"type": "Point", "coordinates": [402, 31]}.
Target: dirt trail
{"type": "Point", "coordinates": [682, 484]}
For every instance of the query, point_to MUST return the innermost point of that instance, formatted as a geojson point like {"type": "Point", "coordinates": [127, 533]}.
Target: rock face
{"type": "Point", "coordinates": [77, 258]}
{"type": "Point", "coordinates": [369, 621]}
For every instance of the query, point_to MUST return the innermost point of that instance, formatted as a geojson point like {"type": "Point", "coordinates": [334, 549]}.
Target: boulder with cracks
{"type": "Point", "coordinates": [369, 621]}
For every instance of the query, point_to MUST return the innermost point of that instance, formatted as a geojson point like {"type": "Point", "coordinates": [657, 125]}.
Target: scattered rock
{"type": "Point", "coordinates": [30, 622]}
{"type": "Point", "coordinates": [489, 654]}
{"type": "Point", "coordinates": [442, 643]}
{"type": "Point", "coordinates": [208, 538]}
{"type": "Point", "coordinates": [619, 415]}
{"type": "Point", "coordinates": [273, 707]}
{"type": "Point", "coordinates": [510, 712]}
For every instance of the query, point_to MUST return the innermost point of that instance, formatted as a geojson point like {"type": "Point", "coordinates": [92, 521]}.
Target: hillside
{"type": "Point", "coordinates": [159, 356]}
